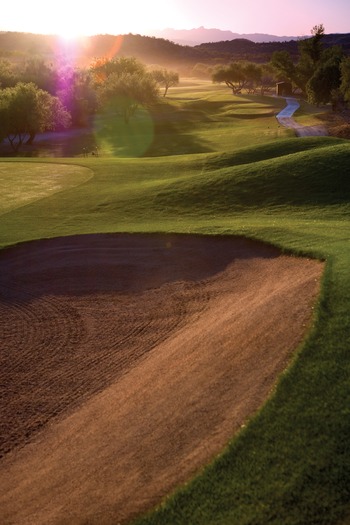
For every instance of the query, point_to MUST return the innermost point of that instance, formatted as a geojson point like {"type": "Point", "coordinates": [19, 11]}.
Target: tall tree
{"type": "Point", "coordinates": [326, 78]}
{"type": "Point", "coordinates": [312, 47]}
{"type": "Point", "coordinates": [284, 67]}
{"type": "Point", "coordinates": [317, 72]}
{"type": "Point", "coordinates": [310, 50]}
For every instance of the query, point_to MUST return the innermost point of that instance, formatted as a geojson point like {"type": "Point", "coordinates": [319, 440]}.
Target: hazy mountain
{"type": "Point", "coordinates": [193, 37]}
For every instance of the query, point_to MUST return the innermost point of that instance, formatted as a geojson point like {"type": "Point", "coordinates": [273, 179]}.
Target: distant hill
{"type": "Point", "coordinates": [201, 35]}
{"type": "Point", "coordinates": [150, 50]}
{"type": "Point", "coordinates": [241, 48]}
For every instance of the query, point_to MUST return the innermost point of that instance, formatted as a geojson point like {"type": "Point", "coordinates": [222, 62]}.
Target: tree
{"type": "Point", "coordinates": [201, 70]}
{"type": "Point", "coordinates": [317, 72]}
{"type": "Point", "coordinates": [26, 110]}
{"type": "Point", "coordinates": [320, 86]}
{"type": "Point", "coordinates": [165, 78]}
{"type": "Point", "coordinates": [44, 76]}
{"type": "Point", "coordinates": [326, 78]}
{"type": "Point", "coordinates": [7, 75]}
{"type": "Point", "coordinates": [237, 75]}
{"type": "Point", "coordinates": [253, 73]}
{"type": "Point", "coordinates": [345, 78]}
{"type": "Point", "coordinates": [103, 68]}
{"type": "Point", "coordinates": [284, 67]}
{"type": "Point", "coordinates": [126, 92]}
{"type": "Point", "coordinates": [268, 78]}
{"type": "Point", "coordinates": [311, 48]}
{"type": "Point", "coordinates": [311, 55]}
{"type": "Point", "coordinates": [78, 94]}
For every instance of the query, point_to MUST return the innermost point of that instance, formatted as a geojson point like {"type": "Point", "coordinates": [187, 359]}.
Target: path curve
{"type": "Point", "coordinates": [284, 117]}
{"type": "Point", "coordinates": [138, 356]}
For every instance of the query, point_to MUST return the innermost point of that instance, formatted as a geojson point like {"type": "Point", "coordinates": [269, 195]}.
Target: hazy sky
{"type": "Point", "coordinates": [279, 17]}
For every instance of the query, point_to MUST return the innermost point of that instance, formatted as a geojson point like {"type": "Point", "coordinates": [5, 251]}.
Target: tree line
{"type": "Point", "coordinates": [321, 75]}
{"type": "Point", "coordinates": [36, 96]}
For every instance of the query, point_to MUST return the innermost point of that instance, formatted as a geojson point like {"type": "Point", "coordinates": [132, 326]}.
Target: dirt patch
{"type": "Point", "coordinates": [130, 360]}
{"type": "Point", "coordinates": [337, 124]}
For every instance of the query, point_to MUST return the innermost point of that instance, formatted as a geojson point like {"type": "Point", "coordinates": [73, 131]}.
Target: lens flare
{"type": "Point", "coordinates": [115, 47]}
{"type": "Point", "coordinates": [117, 138]}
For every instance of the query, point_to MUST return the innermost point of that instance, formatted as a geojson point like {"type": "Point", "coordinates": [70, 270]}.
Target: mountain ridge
{"type": "Point", "coordinates": [201, 35]}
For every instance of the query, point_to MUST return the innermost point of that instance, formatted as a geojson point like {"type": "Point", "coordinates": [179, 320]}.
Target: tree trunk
{"type": "Point", "coordinates": [31, 138]}
{"type": "Point", "coordinates": [15, 145]}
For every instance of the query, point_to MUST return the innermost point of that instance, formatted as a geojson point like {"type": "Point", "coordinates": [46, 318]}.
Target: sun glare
{"type": "Point", "coordinates": [71, 20]}
{"type": "Point", "coordinates": [68, 35]}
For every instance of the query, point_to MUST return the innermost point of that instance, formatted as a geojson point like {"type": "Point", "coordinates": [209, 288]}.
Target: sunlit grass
{"type": "Point", "coordinates": [214, 120]}
{"type": "Point", "coordinates": [309, 115]}
{"type": "Point", "coordinates": [22, 183]}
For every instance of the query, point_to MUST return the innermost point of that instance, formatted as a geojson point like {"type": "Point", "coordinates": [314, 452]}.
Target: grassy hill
{"type": "Point", "coordinates": [290, 464]}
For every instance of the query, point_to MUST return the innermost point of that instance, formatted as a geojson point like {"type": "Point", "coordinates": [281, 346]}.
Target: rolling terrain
{"type": "Point", "coordinates": [207, 184]}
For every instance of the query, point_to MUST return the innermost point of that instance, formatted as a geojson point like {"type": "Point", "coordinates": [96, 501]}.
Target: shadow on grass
{"type": "Point", "coordinates": [168, 128]}
{"type": "Point", "coordinates": [162, 130]}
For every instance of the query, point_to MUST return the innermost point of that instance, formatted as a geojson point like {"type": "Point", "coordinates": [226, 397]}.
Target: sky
{"type": "Point", "coordinates": [73, 18]}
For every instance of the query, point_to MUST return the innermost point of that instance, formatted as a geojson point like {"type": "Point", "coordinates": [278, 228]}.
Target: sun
{"type": "Point", "coordinates": [70, 23]}
{"type": "Point", "coordinates": [69, 30]}
{"type": "Point", "coordinates": [69, 36]}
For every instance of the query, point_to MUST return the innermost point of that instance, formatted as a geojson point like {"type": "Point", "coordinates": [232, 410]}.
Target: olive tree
{"type": "Point", "coordinates": [26, 110]}
{"type": "Point", "coordinates": [126, 92]}
{"type": "Point", "coordinates": [165, 78]}
{"type": "Point", "coordinates": [103, 68]}
{"type": "Point", "coordinates": [237, 76]}
{"type": "Point", "coordinates": [77, 92]}
{"type": "Point", "coordinates": [8, 76]}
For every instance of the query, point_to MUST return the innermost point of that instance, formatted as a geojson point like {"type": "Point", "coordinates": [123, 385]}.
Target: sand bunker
{"type": "Point", "coordinates": [128, 361]}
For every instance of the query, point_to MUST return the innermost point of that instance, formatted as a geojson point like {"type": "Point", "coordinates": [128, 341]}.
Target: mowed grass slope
{"type": "Point", "coordinates": [290, 464]}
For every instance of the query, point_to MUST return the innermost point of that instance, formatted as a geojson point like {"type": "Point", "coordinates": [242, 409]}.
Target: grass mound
{"type": "Point", "coordinates": [312, 177]}
{"type": "Point", "coordinates": [273, 150]}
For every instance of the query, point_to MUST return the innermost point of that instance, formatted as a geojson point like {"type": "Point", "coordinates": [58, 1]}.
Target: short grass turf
{"type": "Point", "coordinates": [291, 463]}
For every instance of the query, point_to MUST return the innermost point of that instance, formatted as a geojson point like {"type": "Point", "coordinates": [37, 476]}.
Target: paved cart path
{"type": "Point", "coordinates": [284, 117]}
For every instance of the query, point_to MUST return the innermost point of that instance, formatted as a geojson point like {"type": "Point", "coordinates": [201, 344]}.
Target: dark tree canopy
{"type": "Point", "coordinates": [345, 78]}
{"type": "Point", "coordinates": [238, 75]}
{"type": "Point", "coordinates": [26, 110]}
{"type": "Point", "coordinates": [103, 68]}
{"type": "Point", "coordinates": [318, 72]}
{"type": "Point", "coordinates": [126, 92]}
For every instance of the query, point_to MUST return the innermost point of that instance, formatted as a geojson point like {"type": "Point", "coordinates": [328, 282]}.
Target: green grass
{"type": "Point", "coordinates": [309, 115]}
{"type": "Point", "coordinates": [191, 119]}
{"type": "Point", "coordinates": [22, 183]}
{"type": "Point", "coordinates": [290, 465]}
